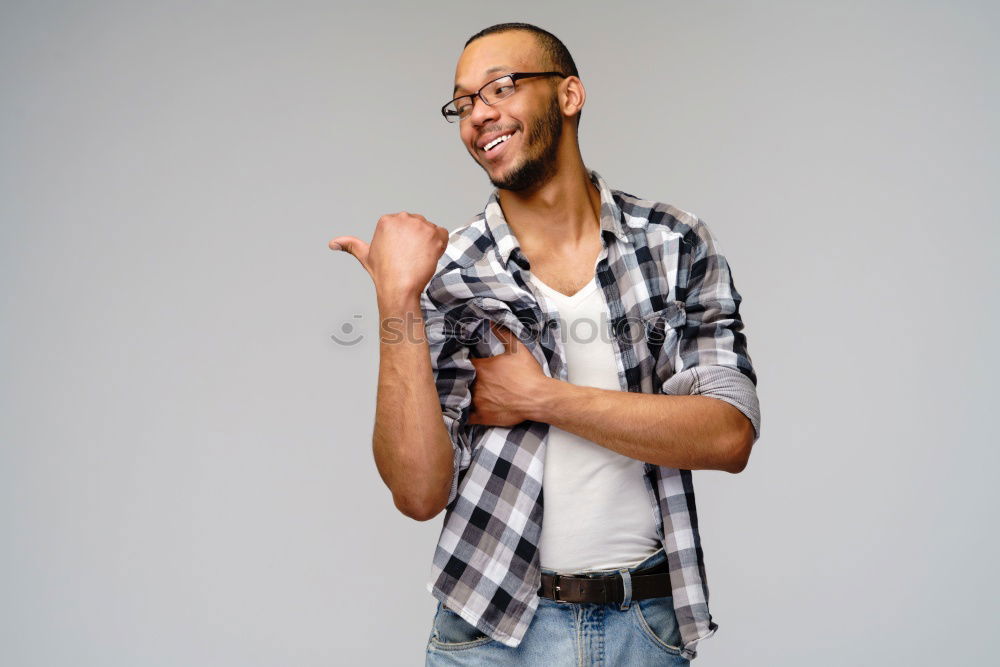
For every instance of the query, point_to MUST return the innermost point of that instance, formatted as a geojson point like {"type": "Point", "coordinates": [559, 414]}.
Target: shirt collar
{"type": "Point", "coordinates": [506, 243]}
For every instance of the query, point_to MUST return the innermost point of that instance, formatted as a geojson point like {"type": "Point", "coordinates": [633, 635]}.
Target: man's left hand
{"type": "Point", "coordinates": [506, 385]}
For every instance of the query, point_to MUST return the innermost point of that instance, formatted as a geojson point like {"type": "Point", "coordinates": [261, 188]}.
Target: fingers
{"type": "Point", "coordinates": [510, 341]}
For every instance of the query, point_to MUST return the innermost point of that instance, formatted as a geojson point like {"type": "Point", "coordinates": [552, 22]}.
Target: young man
{"type": "Point", "coordinates": [494, 393]}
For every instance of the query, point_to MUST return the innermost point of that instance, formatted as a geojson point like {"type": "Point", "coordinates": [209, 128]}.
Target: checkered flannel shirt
{"type": "Point", "coordinates": [675, 324]}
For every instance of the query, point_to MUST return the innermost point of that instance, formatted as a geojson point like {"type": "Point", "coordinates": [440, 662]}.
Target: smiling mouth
{"type": "Point", "coordinates": [493, 146]}
{"type": "Point", "coordinates": [496, 142]}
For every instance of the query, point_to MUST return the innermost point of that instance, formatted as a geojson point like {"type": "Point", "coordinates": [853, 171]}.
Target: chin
{"type": "Point", "coordinates": [524, 177]}
{"type": "Point", "coordinates": [501, 178]}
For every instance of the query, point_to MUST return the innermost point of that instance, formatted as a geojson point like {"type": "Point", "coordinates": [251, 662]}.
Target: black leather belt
{"type": "Point", "coordinates": [652, 582]}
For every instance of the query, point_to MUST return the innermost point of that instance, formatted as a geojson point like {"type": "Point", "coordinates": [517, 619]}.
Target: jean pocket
{"type": "Point", "coordinates": [452, 632]}
{"type": "Point", "coordinates": [658, 621]}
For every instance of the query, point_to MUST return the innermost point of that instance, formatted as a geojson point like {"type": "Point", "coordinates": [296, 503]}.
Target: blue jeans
{"type": "Point", "coordinates": [633, 633]}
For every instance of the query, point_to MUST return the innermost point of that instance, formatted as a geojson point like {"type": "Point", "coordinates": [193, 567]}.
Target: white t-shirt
{"type": "Point", "coordinates": [597, 511]}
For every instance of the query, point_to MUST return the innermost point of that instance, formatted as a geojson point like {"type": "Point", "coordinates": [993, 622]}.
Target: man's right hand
{"type": "Point", "coordinates": [413, 450]}
{"type": "Point", "coordinates": [403, 253]}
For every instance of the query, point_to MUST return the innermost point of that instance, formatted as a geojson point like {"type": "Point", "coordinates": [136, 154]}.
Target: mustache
{"type": "Point", "coordinates": [499, 128]}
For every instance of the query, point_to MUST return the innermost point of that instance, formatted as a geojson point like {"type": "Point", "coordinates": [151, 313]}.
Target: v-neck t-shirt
{"type": "Point", "coordinates": [597, 512]}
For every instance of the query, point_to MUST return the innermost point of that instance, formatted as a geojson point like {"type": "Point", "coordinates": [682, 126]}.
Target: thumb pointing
{"type": "Point", "coordinates": [354, 246]}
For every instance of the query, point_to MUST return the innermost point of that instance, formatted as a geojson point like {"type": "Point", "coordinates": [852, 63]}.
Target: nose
{"type": "Point", "coordinates": [481, 112]}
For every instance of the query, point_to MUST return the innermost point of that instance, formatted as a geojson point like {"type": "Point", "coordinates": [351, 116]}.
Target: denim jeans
{"type": "Point", "coordinates": [633, 632]}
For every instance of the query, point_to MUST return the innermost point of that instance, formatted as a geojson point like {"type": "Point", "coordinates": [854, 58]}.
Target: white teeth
{"type": "Point", "coordinates": [496, 141]}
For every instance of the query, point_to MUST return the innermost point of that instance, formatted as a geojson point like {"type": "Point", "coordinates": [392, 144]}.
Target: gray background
{"type": "Point", "coordinates": [186, 474]}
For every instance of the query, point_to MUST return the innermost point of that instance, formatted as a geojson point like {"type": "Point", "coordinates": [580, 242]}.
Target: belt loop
{"type": "Point", "coordinates": [627, 588]}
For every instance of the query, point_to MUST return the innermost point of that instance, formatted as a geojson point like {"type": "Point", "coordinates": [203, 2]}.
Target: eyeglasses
{"type": "Point", "coordinates": [460, 108]}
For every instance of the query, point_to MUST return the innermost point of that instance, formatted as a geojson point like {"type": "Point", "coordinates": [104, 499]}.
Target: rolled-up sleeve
{"type": "Point", "coordinates": [712, 349]}
{"type": "Point", "coordinates": [453, 375]}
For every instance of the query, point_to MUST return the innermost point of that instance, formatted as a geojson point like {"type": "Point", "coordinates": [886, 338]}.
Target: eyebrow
{"type": "Point", "coordinates": [492, 70]}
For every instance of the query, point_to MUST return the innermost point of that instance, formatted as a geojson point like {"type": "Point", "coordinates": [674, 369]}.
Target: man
{"type": "Point", "coordinates": [486, 399]}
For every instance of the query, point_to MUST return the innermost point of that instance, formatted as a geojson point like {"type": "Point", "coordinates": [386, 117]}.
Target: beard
{"type": "Point", "coordinates": [544, 133]}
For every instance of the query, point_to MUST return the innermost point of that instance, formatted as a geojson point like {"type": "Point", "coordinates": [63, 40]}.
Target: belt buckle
{"type": "Point", "coordinates": [556, 588]}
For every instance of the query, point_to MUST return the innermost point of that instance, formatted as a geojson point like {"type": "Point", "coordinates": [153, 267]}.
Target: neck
{"type": "Point", "coordinates": [560, 216]}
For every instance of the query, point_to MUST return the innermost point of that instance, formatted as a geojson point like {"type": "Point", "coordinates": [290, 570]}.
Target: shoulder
{"type": "Point", "coordinates": [467, 268]}
{"type": "Point", "coordinates": [467, 245]}
{"type": "Point", "coordinates": [638, 211]}
{"type": "Point", "coordinates": [657, 219]}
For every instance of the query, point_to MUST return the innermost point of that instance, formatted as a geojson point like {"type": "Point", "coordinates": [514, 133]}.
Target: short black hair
{"type": "Point", "coordinates": [551, 45]}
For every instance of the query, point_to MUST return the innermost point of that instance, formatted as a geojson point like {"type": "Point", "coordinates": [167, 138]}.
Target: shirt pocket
{"type": "Point", "coordinates": [664, 330]}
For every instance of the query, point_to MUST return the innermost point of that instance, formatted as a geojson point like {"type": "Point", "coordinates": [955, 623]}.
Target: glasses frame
{"type": "Point", "coordinates": [514, 77]}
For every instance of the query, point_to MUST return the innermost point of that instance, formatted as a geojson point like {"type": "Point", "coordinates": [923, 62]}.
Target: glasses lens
{"type": "Point", "coordinates": [499, 89]}
{"type": "Point", "coordinates": [459, 108]}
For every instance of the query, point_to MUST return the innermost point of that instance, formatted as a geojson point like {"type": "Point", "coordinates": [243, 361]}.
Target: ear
{"type": "Point", "coordinates": [572, 95]}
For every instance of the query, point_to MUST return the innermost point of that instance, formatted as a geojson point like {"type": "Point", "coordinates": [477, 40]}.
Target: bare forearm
{"type": "Point", "coordinates": [412, 448]}
{"type": "Point", "coordinates": [686, 432]}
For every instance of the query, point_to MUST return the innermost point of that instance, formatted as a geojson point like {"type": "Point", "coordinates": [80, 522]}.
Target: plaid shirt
{"type": "Point", "coordinates": [675, 325]}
